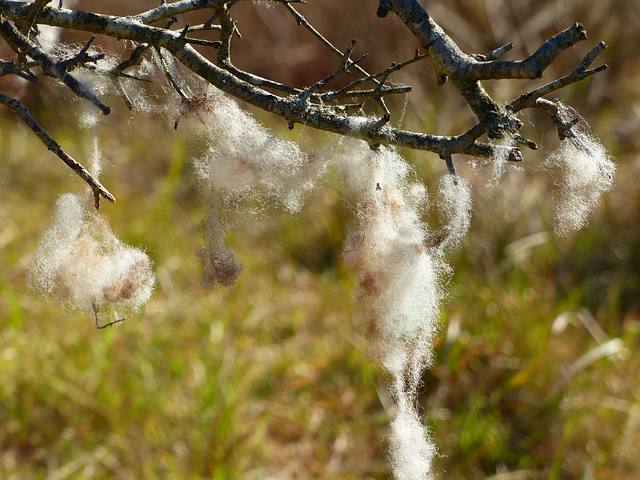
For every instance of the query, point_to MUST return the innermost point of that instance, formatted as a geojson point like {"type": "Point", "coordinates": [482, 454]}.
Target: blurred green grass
{"type": "Point", "coordinates": [270, 379]}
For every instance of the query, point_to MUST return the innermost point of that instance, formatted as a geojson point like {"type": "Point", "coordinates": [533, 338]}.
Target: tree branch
{"type": "Point", "coordinates": [50, 67]}
{"type": "Point", "coordinates": [52, 145]}
{"type": "Point", "coordinates": [292, 104]}
{"type": "Point", "coordinates": [290, 108]}
{"type": "Point", "coordinates": [33, 13]}
{"type": "Point", "coordinates": [530, 99]}
{"type": "Point", "coordinates": [466, 71]}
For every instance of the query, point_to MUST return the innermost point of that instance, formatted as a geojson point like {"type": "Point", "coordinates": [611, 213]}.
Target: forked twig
{"type": "Point", "coordinates": [100, 327]}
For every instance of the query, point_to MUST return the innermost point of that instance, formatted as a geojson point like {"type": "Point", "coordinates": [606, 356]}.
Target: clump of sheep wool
{"type": "Point", "coordinates": [587, 172]}
{"type": "Point", "coordinates": [81, 263]}
{"type": "Point", "coordinates": [398, 283]}
{"type": "Point", "coordinates": [245, 168]}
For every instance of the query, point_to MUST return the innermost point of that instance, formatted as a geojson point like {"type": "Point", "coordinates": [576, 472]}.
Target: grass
{"type": "Point", "coordinates": [270, 378]}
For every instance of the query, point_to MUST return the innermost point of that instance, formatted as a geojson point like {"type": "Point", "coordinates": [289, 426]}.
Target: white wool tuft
{"type": "Point", "coordinates": [588, 172]}
{"type": "Point", "coordinates": [399, 283]}
{"type": "Point", "coordinates": [455, 202]}
{"type": "Point", "coordinates": [82, 263]}
{"type": "Point", "coordinates": [499, 165]}
{"type": "Point", "coordinates": [397, 274]}
{"type": "Point", "coordinates": [411, 449]}
{"type": "Point", "coordinates": [243, 163]}
{"type": "Point", "coordinates": [246, 160]}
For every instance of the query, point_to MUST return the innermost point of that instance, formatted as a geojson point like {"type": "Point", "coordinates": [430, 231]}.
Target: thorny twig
{"type": "Point", "coordinates": [118, 72]}
{"type": "Point", "coordinates": [347, 91]}
{"type": "Point", "coordinates": [303, 21]}
{"type": "Point", "coordinates": [7, 68]}
{"type": "Point", "coordinates": [343, 68]}
{"type": "Point", "coordinates": [23, 112]}
{"type": "Point", "coordinates": [165, 68]}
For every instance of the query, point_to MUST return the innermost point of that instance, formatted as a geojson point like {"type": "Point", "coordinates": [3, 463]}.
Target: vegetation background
{"type": "Point", "coordinates": [269, 379]}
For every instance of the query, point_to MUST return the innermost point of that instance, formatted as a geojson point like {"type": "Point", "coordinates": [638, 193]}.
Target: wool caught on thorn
{"type": "Point", "coordinates": [587, 172]}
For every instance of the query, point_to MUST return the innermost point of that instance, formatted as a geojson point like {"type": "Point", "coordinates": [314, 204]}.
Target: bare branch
{"type": "Point", "coordinates": [168, 74]}
{"type": "Point", "coordinates": [497, 53]}
{"type": "Point", "coordinates": [466, 71]}
{"type": "Point", "coordinates": [228, 27]}
{"type": "Point", "coordinates": [342, 69]}
{"type": "Point", "coordinates": [97, 321]}
{"type": "Point", "coordinates": [81, 58]}
{"type": "Point", "coordinates": [348, 91]}
{"type": "Point", "coordinates": [166, 10]}
{"type": "Point", "coordinates": [580, 73]}
{"type": "Point", "coordinates": [532, 66]}
{"type": "Point", "coordinates": [52, 145]}
{"type": "Point", "coordinates": [530, 99]}
{"type": "Point", "coordinates": [446, 156]}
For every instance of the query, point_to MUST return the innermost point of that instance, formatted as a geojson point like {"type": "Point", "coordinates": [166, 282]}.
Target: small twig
{"type": "Point", "coordinates": [591, 56]}
{"type": "Point", "coordinates": [116, 73]}
{"type": "Point", "coordinates": [362, 93]}
{"type": "Point", "coordinates": [580, 73]}
{"type": "Point", "coordinates": [169, 75]}
{"type": "Point", "coordinates": [348, 89]}
{"type": "Point", "coordinates": [259, 81]}
{"type": "Point", "coordinates": [497, 53]}
{"type": "Point", "coordinates": [346, 106]}
{"type": "Point", "coordinates": [228, 26]}
{"type": "Point", "coordinates": [7, 68]}
{"type": "Point", "coordinates": [205, 43]}
{"type": "Point", "coordinates": [100, 327]}
{"type": "Point", "coordinates": [205, 27]}
{"type": "Point", "coordinates": [36, 6]}
{"type": "Point", "coordinates": [446, 156]}
{"type": "Point", "coordinates": [525, 141]}
{"type": "Point", "coordinates": [183, 33]}
{"type": "Point", "coordinates": [342, 69]}
{"type": "Point", "coordinates": [81, 57]}
{"type": "Point", "coordinates": [134, 59]}
{"type": "Point", "coordinates": [563, 127]}
{"type": "Point", "coordinates": [166, 11]}
{"type": "Point", "coordinates": [378, 97]}
{"type": "Point", "coordinates": [52, 145]}
{"type": "Point", "coordinates": [303, 21]}
{"type": "Point", "coordinates": [530, 99]}
{"type": "Point", "coordinates": [553, 109]}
